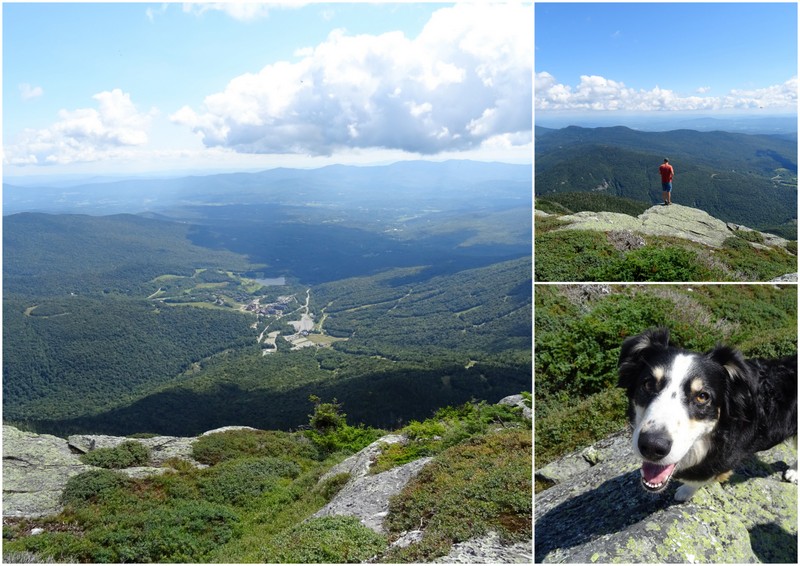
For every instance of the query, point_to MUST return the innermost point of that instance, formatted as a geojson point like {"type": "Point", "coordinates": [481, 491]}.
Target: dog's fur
{"type": "Point", "coordinates": [696, 416]}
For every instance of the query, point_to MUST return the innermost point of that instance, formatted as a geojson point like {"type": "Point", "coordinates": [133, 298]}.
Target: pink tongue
{"type": "Point", "coordinates": [655, 474]}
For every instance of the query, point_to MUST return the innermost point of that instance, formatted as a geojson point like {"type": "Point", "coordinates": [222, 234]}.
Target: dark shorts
{"type": "Point", "coordinates": [666, 187]}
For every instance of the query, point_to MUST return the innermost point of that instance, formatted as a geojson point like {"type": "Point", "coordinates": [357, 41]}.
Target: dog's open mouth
{"type": "Point", "coordinates": [656, 477]}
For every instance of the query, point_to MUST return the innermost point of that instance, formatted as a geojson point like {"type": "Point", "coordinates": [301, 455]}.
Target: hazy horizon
{"type": "Point", "coordinates": [658, 122]}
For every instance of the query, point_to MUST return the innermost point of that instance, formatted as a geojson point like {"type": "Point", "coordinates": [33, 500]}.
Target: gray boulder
{"type": "Point", "coordinates": [367, 496]}
{"type": "Point", "coordinates": [788, 278]}
{"type": "Point", "coordinates": [358, 464]}
{"type": "Point", "coordinates": [488, 549]}
{"type": "Point", "coordinates": [162, 448]}
{"type": "Point", "coordinates": [517, 401]}
{"type": "Point", "coordinates": [36, 468]}
{"type": "Point", "coordinates": [601, 514]}
{"type": "Point", "coordinates": [674, 220]}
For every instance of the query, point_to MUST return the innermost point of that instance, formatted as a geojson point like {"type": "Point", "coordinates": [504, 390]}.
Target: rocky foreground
{"type": "Point", "coordinates": [36, 469]}
{"type": "Point", "coordinates": [597, 512]}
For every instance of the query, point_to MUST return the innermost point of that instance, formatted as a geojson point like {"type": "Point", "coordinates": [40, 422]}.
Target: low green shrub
{"type": "Point", "coordinates": [544, 224]}
{"type": "Point", "coordinates": [569, 255]}
{"type": "Point", "coordinates": [564, 427]}
{"type": "Point", "coordinates": [187, 531]}
{"type": "Point", "coordinates": [328, 540]}
{"type": "Point", "coordinates": [750, 236]}
{"type": "Point", "coordinates": [332, 485]}
{"type": "Point", "coordinates": [580, 355]}
{"type": "Point", "coordinates": [330, 432]}
{"type": "Point", "coordinates": [239, 482]}
{"type": "Point", "coordinates": [652, 263]}
{"type": "Point", "coordinates": [480, 485]}
{"type": "Point", "coordinates": [756, 264]}
{"type": "Point", "coordinates": [349, 439]}
{"type": "Point", "coordinates": [129, 453]}
{"type": "Point", "coordinates": [448, 427]}
{"type": "Point", "coordinates": [215, 448]}
{"type": "Point", "coordinates": [93, 486]}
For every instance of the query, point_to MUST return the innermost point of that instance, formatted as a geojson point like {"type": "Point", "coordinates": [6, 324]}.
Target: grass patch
{"type": "Point", "coordinates": [586, 255]}
{"type": "Point", "coordinates": [569, 255]}
{"type": "Point", "coordinates": [231, 444]}
{"type": "Point", "coordinates": [562, 428]}
{"type": "Point", "coordinates": [327, 540]}
{"type": "Point", "coordinates": [470, 489]}
{"type": "Point", "coordinates": [448, 427]}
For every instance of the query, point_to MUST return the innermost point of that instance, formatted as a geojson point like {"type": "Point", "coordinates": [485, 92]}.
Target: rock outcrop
{"type": "Point", "coordinates": [366, 496]}
{"type": "Point", "coordinates": [488, 549]}
{"type": "Point", "coordinates": [517, 401]}
{"type": "Point", "coordinates": [597, 512]}
{"type": "Point", "coordinates": [36, 467]}
{"type": "Point", "coordinates": [162, 448]}
{"type": "Point", "coordinates": [674, 220]}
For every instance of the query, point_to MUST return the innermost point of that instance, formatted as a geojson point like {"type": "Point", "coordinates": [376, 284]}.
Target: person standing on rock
{"type": "Point", "coordinates": [666, 181]}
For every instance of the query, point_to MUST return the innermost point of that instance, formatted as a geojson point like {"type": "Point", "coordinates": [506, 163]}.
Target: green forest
{"type": "Point", "coordinates": [579, 330]}
{"type": "Point", "coordinates": [128, 325]}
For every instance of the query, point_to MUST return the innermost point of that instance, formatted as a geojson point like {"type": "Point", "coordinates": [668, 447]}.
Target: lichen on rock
{"type": "Point", "coordinates": [600, 514]}
{"type": "Point", "coordinates": [675, 220]}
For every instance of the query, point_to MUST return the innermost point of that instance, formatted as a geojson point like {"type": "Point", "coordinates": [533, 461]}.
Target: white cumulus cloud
{"type": "Point", "coordinates": [28, 92]}
{"type": "Point", "coordinates": [599, 93]}
{"type": "Point", "coordinates": [242, 11]}
{"type": "Point", "coordinates": [84, 134]}
{"type": "Point", "coordinates": [464, 80]}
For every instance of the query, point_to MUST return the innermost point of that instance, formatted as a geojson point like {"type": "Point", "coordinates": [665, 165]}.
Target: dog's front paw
{"type": "Point", "coordinates": [791, 474]}
{"type": "Point", "coordinates": [685, 492]}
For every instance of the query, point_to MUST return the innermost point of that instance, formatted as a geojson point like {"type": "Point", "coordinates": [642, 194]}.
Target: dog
{"type": "Point", "coordinates": [696, 416]}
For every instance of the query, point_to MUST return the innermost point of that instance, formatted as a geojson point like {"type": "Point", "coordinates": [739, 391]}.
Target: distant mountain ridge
{"type": "Point", "coordinates": [785, 125]}
{"type": "Point", "coordinates": [422, 182]}
{"type": "Point", "coordinates": [741, 178]}
{"type": "Point", "coordinates": [717, 149]}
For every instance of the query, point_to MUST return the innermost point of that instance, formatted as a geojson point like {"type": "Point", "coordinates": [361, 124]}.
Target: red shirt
{"type": "Point", "coordinates": [666, 172]}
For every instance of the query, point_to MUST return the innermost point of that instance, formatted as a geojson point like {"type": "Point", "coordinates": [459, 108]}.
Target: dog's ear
{"type": "Point", "coordinates": [739, 402]}
{"type": "Point", "coordinates": [630, 354]}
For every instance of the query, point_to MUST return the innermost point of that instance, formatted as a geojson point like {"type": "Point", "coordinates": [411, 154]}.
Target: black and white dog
{"type": "Point", "coordinates": [696, 416]}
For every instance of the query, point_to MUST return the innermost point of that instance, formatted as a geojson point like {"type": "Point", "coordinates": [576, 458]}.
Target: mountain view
{"type": "Point", "coordinates": [279, 326]}
{"type": "Point", "coordinates": [741, 178]}
{"type": "Point", "coordinates": [277, 286]}
{"type": "Point", "coordinates": [267, 282]}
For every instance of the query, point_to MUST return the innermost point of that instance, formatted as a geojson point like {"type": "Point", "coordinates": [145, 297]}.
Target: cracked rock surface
{"type": "Point", "coordinates": [674, 220]}
{"type": "Point", "coordinates": [36, 467]}
{"type": "Point", "coordinates": [597, 512]}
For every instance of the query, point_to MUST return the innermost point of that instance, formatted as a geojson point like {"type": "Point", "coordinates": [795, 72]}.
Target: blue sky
{"type": "Point", "coordinates": [108, 88]}
{"type": "Point", "coordinates": [666, 57]}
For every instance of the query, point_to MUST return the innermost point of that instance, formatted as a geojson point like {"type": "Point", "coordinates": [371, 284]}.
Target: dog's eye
{"type": "Point", "coordinates": [702, 398]}
{"type": "Point", "coordinates": [649, 385]}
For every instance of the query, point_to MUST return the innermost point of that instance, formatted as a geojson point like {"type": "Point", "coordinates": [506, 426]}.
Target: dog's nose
{"type": "Point", "coordinates": [654, 445]}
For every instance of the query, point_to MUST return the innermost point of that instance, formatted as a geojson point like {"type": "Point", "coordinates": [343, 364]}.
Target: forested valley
{"type": "Point", "coordinates": [184, 319]}
{"type": "Point", "coordinates": [742, 178]}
